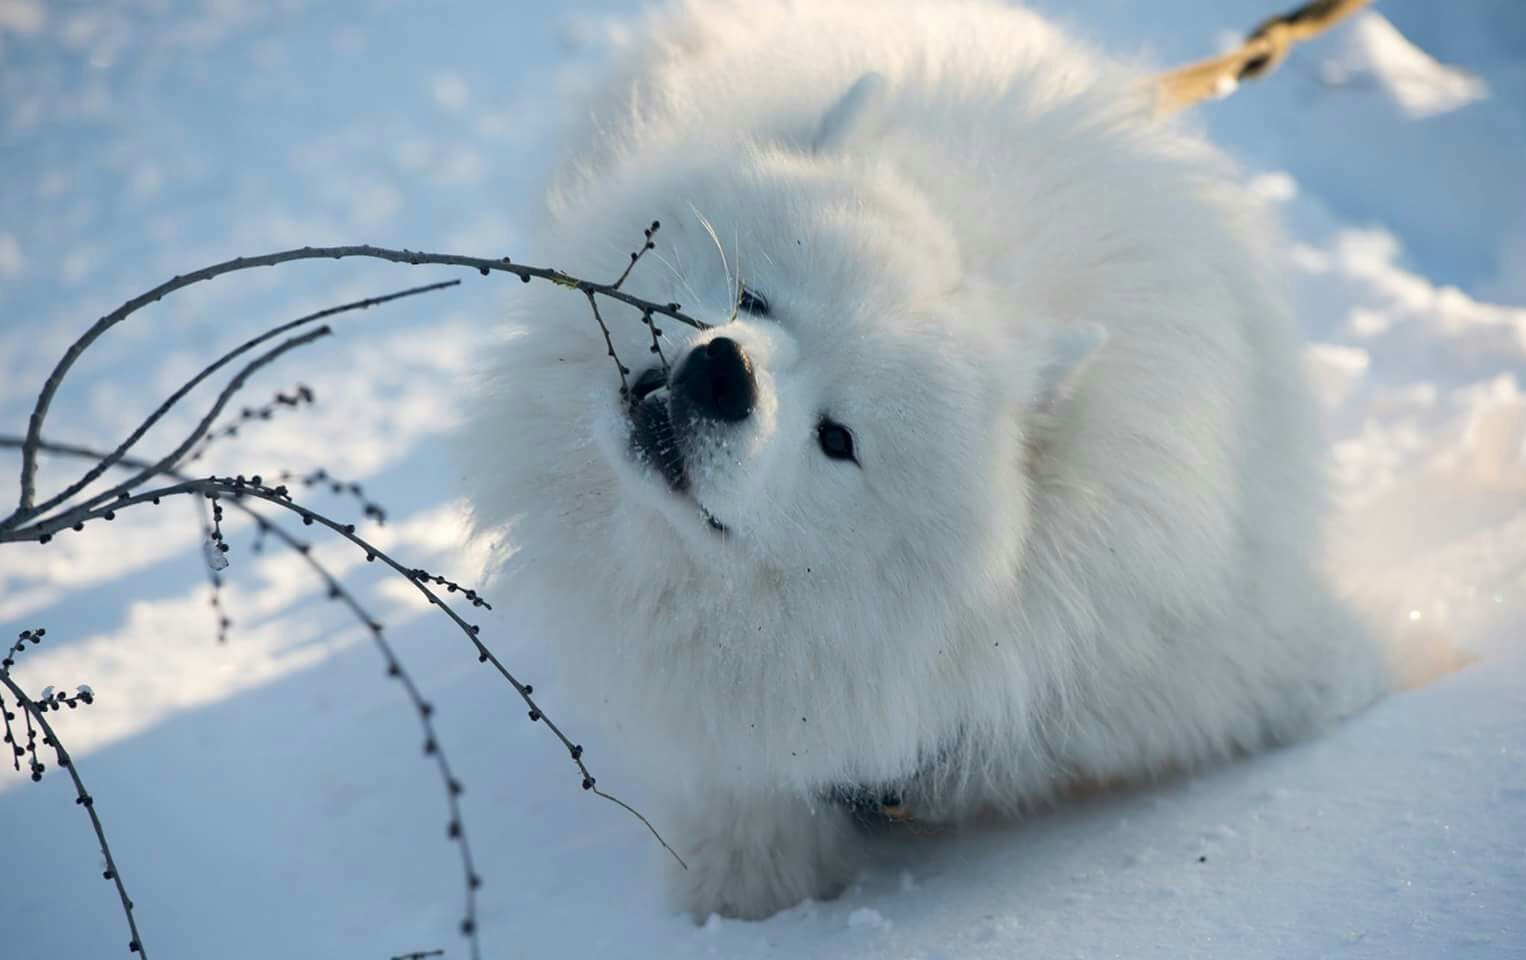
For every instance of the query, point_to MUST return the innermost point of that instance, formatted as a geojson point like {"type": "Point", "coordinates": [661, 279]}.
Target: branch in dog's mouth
{"type": "Point", "coordinates": [654, 440]}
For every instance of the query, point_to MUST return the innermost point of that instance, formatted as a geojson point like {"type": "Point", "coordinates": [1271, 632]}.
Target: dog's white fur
{"type": "Point", "coordinates": [1082, 544]}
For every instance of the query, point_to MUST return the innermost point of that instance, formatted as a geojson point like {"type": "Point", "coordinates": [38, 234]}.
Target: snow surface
{"type": "Point", "coordinates": [269, 798]}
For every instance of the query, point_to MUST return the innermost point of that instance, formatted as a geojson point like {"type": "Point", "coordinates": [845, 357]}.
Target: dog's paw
{"type": "Point", "coordinates": [749, 858]}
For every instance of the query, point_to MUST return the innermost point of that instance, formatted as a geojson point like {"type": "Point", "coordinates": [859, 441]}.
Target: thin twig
{"type": "Point", "coordinates": [227, 358]}
{"type": "Point", "coordinates": [44, 530]}
{"type": "Point", "coordinates": [451, 586]}
{"type": "Point", "coordinates": [336, 591]}
{"type": "Point", "coordinates": [646, 244]}
{"type": "Point", "coordinates": [84, 799]}
{"type": "Point", "coordinates": [656, 332]}
{"type": "Point", "coordinates": [603, 328]}
{"type": "Point", "coordinates": [302, 394]}
{"type": "Point", "coordinates": [370, 508]}
{"type": "Point", "coordinates": [25, 510]}
{"type": "Point", "coordinates": [456, 829]}
{"type": "Point", "coordinates": [169, 461]}
{"type": "Point", "coordinates": [214, 579]}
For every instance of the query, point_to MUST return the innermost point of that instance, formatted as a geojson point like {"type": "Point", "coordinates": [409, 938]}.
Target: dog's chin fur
{"type": "Point", "coordinates": [1047, 565]}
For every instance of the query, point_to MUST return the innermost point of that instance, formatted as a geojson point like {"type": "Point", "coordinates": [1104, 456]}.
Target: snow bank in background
{"type": "Point", "coordinates": [1375, 52]}
{"type": "Point", "coordinates": [1383, 134]}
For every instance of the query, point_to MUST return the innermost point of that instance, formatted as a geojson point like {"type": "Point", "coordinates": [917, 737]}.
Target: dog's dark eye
{"type": "Point", "coordinates": [753, 302]}
{"type": "Point", "coordinates": [835, 439]}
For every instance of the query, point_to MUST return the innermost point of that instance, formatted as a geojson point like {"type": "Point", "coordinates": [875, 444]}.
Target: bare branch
{"type": "Point", "coordinates": [593, 304]}
{"type": "Point", "coordinates": [214, 578]}
{"type": "Point", "coordinates": [302, 394]}
{"type": "Point", "coordinates": [321, 477]}
{"type": "Point", "coordinates": [227, 358]}
{"type": "Point", "coordinates": [25, 510]}
{"type": "Point", "coordinates": [44, 530]}
{"type": "Point", "coordinates": [82, 797]}
{"type": "Point", "coordinates": [655, 331]}
{"type": "Point", "coordinates": [32, 522]}
{"type": "Point", "coordinates": [647, 243]}
{"type": "Point", "coordinates": [336, 590]}
{"type": "Point", "coordinates": [636, 255]}
{"type": "Point", "coordinates": [168, 463]}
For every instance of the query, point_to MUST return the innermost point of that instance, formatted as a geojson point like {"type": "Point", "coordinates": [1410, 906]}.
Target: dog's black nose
{"type": "Point", "coordinates": [715, 382]}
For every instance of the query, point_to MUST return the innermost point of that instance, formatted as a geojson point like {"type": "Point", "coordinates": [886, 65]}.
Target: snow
{"type": "Point", "coordinates": [866, 917]}
{"type": "Point", "coordinates": [269, 797]}
{"type": "Point", "coordinates": [1377, 53]}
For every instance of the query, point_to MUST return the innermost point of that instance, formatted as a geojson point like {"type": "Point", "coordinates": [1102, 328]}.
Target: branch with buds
{"type": "Point", "coordinates": [37, 711]}
{"type": "Point", "coordinates": [26, 509]}
{"type": "Point", "coordinates": [74, 507]}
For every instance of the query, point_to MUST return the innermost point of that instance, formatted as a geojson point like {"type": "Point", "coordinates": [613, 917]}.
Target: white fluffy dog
{"type": "Point", "coordinates": [996, 474]}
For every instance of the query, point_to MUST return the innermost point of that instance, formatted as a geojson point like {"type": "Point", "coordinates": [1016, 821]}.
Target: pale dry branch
{"type": "Point", "coordinates": [1261, 53]}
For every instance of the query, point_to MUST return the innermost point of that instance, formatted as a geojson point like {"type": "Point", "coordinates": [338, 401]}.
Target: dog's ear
{"type": "Point", "coordinates": [854, 111]}
{"type": "Point", "coordinates": [1071, 352]}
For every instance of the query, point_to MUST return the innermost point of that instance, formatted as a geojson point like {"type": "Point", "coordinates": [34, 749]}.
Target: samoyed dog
{"type": "Point", "coordinates": [994, 474]}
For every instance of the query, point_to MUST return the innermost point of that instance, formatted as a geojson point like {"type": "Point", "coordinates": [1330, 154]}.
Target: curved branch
{"type": "Point", "coordinates": [336, 591]}
{"type": "Point", "coordinates": [44, 530]}
{"type": "Point", "coordinates": [25, 510]}
{"type": "Point", "coordinates": [82, 510]}
{"type": "Point", "coordinates": [116, 455]}
{"type": "Point", "coordinates": [82, 798]}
